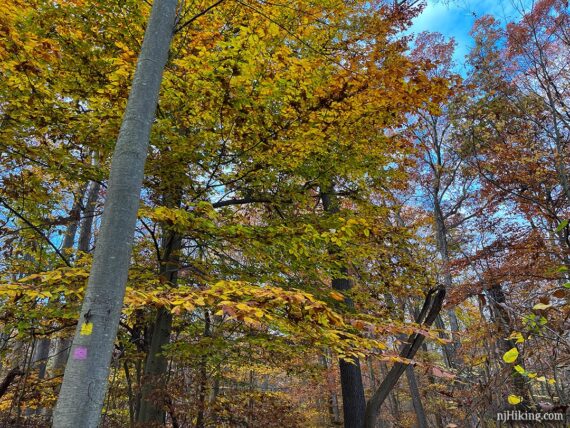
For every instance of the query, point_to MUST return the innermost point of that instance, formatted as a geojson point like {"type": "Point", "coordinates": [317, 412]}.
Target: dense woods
{"type": "Point", "coordinates": [306, 215]}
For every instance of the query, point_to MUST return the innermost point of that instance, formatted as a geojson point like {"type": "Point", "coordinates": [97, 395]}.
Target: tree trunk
{"type": "Point", "coordinates": [430, 310]}
{"type": "Point", "coordinates": [416, 398]}
{"type": "Point", "coordinates": [156, 364]}
{"type": "Point", "coordinates": [203, 385]}
{"type": "Point", "coordinates": [393, 402]}
{"type": "Point", "coordinates": [353, 399]}
{"type": "Point", "coordinates": [448, 350]}
{"type": "Point", "coordinates": [84, 243]}
{"type": "Point", "coordinates": [41, 355]}
{"type": "Point", "coordinates": [10, 377]}
{"type": "Point", "coordinates": [503, 325]}
{"type": "Point", "coordinates": [443, 249]}
{"type": "Point", "coordinates": [62, 345]}
{"type": "Point", "coordinates": [86, 375]}
{"type": "Point", "coordinates": [332, 399]}
{"type": "Point", "coordinates": [71, 231]}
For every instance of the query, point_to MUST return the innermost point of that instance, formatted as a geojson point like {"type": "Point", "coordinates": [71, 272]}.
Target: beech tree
{"type": "Point", "coordinates": [84, 384]}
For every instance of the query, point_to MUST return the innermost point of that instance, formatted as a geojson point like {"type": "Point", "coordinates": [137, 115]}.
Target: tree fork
{"type": "Point", "coordinates": [430, 310]}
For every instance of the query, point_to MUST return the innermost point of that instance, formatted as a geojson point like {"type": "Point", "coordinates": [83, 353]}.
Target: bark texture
{"type": "Point", "coordinates": [353, 399]}
{"type": "Point", "coordinates": [86, 374]}
{"type": "Point", "coordinates": [10, 377]}
{"type": "Point", "coordinates": [84, 243]}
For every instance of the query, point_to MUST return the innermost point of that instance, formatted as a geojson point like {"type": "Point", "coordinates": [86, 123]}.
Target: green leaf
{"type": "Point", "coordinates": [562, 225]}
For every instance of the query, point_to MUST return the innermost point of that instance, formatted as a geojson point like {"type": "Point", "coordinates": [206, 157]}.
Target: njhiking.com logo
{"type": "Point", "coordinates": [518, 415]}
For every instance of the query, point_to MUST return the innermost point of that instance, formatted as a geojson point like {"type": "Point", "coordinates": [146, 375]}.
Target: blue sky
{"type": "Point", "coordinates": [454, 18]}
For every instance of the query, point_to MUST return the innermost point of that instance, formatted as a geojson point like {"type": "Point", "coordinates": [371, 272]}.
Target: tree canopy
{"type": "Point", "coordinates": [333, 225]}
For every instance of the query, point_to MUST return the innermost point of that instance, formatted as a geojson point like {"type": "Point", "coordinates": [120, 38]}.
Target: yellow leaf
{"type": "Point", "coordinates": [514, 399]}
{"type": "Point", "coordinates": [511, 355]}
{"type": "Point", "coordinates": [518, 336]}
{"type": "Point", "coordinates": [541, 306]}
{"type": "Point", "coordinates": [250, 321]}
{"type": "Point", "coordinates": [86, 329]}
{"type": "Point", "coordinates": [551, 381]}
{"type": "Point", "coordinates": [519, 369]}
{"type": "Point", "coordinates": [337, 296]}
{"type": "Point", "coordinates": [541, 379]}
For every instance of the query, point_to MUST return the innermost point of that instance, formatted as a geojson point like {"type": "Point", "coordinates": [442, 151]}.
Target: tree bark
{"type": "Point", "coordinates": [431, 308]}
{"type": "Point", "coordinates": [61, 348]}
{"type": "Point", "coordinates": [10, 376]}
{"type": "Point", "coordinates": [353, 399]}
{"type": "Point", "coordinates": [203, 385]}
{"type": "Point", "coordinates": [156, 364]}
{"type": "Point", "coordinates": [503, 325]}
{"type": "Point", "coordinates": [40, 357]}
{"type": "Point", "coordinates": [416, 398]}
{"type": "Point", "coordinates": [441, 233]}
{"type": "Point", "coordinates": [85, 381]}
{"type": "Point", "coordinates": [84, 243]}
{"type": "Point", "coordinates": [71, 231]}
{"type": "Point", "coordinates": [393, 402]}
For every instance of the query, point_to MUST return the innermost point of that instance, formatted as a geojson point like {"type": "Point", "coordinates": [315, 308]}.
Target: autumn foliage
{"type": "Point", "coordinates": [317, 178]}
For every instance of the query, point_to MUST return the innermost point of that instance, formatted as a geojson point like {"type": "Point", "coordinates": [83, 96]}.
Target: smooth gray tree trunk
{"type": "Point", "coordinates": [56, 363]}
{"type": "Point", "coordinates": [85, 380]}
{"type": "Point", "coordinates": [40, 357]}
{"type": "Point", "coordinates": [84, 243]}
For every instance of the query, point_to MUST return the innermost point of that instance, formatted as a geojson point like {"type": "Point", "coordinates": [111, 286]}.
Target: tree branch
{"type": "Point", "coordinates": [36, 229]}
{"type": "Point", "coordinates": [430, 310]}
